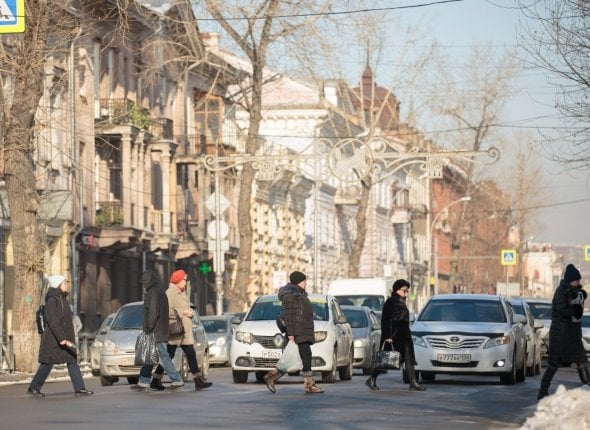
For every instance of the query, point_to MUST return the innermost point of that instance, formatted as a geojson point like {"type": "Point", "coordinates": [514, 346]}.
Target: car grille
{"type": "Point", "coordinates": [453, 342]}
{"type": "Point", "coordinates": [267, 342]}
{"type": "Point", "coordinates": [266, 362]}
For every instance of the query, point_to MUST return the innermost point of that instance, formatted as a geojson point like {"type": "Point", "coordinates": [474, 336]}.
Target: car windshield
{"type": "Point", "coordinates": [105, 325]}
{"type": "Point", "coordinates": [129, 317]}
{"type": "Point", "coordinates": [464, 311]}
{"type": "Point", "coordinates": [356, 318]}
{"type": "Point", "coordinates": [372, 302]}
{"type": "Point", "coordinates": [215, 326]}
{"type": "Point", "coordinates": [540, 310]}
{"type": "Point", "coordinates": [267, 310]}
{"type": "Point", "coordinates": [518, 308]}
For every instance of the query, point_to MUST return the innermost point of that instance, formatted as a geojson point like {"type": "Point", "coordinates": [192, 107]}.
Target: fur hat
{"type": "Point", "coordinates": [297, 277]}
{"type": "Point", "coordinates": [55, 280]}
{"type": "Point", "coordinates": [571, 274]}
{"type": "Point", "coordinates": [177, 276]}
{"type": "Point", "coordinates": [400, 283]}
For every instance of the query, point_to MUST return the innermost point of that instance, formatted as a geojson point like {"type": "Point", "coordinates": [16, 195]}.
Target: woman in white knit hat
{"type": "Point", "coordinates": [57, 341]}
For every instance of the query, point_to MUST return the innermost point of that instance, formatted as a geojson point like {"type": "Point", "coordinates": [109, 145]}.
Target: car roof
{"type": "Point", "coordinates": [537, 299]}
{"type": "Point", "coordinates": [489, 297]}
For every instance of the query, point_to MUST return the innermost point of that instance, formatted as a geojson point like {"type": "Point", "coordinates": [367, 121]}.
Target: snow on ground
{"type": "Point", "coordinates": [563, 410]}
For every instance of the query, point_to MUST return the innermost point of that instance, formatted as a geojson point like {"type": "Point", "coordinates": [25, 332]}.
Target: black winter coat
{"type": "Point", "coordinates": [297, 313]}
{"type": "Point", "coordinates": [386, 320]}
{"type": "Point", "coordinates": [59, 327]}
{"type": "Point", "coordinates": [565, 335]}
{"type": "Point", "coordinates": [155, 307]}
{"type": "Point", "coordinates": [399, 327]}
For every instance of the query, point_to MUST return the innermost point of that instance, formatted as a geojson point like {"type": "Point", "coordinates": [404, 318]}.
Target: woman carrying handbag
{"type": "Point", "coordinates": [395, 330]}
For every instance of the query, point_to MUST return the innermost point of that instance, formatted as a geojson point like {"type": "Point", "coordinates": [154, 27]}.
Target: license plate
{"type": "Point", "coordinates": [272, 354]}
{"type": "Point", "coordinates": [454, 358]}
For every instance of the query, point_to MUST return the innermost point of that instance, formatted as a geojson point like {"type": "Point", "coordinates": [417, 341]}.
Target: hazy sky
{"type": "Point", "coordinates": [458, 26]}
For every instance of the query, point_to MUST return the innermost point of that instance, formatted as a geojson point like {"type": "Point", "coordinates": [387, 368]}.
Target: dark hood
{"type": "Point", "coordinates": [291, 289]}
{"type": "Point", "coordinates": [149, 279]}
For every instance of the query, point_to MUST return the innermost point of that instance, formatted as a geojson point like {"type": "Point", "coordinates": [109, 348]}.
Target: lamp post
{"type": "Point", "coordinates": [430, 241]}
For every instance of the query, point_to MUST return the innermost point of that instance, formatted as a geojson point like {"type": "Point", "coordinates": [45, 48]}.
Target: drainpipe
{"type": "Point", "coordinates": [76, 165]}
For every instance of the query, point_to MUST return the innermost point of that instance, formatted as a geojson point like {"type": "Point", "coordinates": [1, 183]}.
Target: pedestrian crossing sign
{"type": "Point", "coordinates": [509, 257]}
{"type": "Point", "coordinates": [12, 16]}
{"type": "Point", "coordinates": [587, 253]}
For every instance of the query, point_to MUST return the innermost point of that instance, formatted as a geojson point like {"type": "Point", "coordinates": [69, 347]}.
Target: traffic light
{"type": "Point", "coordinates": [205, 267]}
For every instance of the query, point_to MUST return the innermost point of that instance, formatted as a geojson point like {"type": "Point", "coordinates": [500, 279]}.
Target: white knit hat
{"type": "Point", "coordinates": [55, 280]}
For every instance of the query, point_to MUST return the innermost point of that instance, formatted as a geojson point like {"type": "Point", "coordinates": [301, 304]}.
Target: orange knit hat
{"type": "Point", "coordinates": [177, 276]}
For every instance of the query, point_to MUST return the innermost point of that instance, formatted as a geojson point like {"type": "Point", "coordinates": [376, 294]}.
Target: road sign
{"type": "Point", "coordinates": [12, 16]}
{"type": "Point", "coordinates": [223, 229]}
{"type": "Point", "coordinates": [509, 257]}
{"type": "Point", "coordinates": [224, 203]}
{"type": "Point", "coordinates": [587, 253]}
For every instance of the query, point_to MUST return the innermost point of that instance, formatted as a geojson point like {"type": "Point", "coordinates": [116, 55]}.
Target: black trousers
{"type": "Point", "coordinates": [191, 358]}
{"type": "Point", "coordinates": [305, 353]}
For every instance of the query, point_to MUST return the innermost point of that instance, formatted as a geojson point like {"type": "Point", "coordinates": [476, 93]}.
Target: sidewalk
{"type": "Point", "coordinates": [58, 373]}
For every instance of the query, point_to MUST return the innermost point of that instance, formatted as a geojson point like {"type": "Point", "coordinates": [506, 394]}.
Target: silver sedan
{"type": "Point", "coordinates": [366, 332]}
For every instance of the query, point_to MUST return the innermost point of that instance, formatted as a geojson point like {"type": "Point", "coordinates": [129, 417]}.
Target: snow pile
{"type": "Point", "coordinates": [566, 409]}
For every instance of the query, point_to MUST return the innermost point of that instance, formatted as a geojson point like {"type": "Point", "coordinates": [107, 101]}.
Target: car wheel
{"type": "Point", "coordinates": [260, 376]}
{"type": "Point", "coordinates": [330, 376]}
{"type": "Point", "coordinates": [132, 380]}
{"type": "Point", "coordinates": [95, 372]}
{"type": "Point", "coordinates": [240, 376]}
{"type": "Point", "coordinates": [406, 378]}
{"type": "Point", "coordinates": [345, 372]}
{"type": "Point", "coordinates": [106, 381]}
{"type": "Point", "coordinates": [205, 365]}
{"type": "Point", "coordinates": [184, 370]}
{"type": "Point", "coordinates": [530, 371]}
{"type": "Point", "coordinates": [521, 371]}
{"type": "Point", "coordinates": [509, 378]}
{"type": "Point", "coordinates": [538, 365]}
{"type": "Point", "coordinates": [428, 376]}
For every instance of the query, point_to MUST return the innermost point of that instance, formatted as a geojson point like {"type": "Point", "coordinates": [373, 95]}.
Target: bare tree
{"type": "Point", "coordinates": [472, 103]}
{"type": "Point", "coordinates": [555, 37]}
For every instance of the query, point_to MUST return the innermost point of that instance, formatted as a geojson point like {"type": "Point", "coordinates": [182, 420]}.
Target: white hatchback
{"type": "Point", "coordinates": [257, 343]}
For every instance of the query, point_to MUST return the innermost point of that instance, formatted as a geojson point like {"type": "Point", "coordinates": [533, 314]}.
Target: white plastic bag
{"type": "Point", "coordinates": [290, 361]}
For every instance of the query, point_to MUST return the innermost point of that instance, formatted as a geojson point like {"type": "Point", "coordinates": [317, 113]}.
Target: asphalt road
{"type": "Point", "coordinates": [449, 403]}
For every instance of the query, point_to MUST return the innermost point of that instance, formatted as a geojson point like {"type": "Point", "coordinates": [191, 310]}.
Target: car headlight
{"type": "Point", "coordinates": [320, 336]}
{"type": "Point", "coordinates": [220, 341]}
{"type": "Point", "coordinates": [245, 337]}
{"type": "Point", "coordinates": [109, 345]}
{"type": "Point", "coordinates": [97, 344]}
{"type": "Point", "coordinates": [361, 343]}
{"type": "Point", "coordinates": [497, 341]}
{"type": "Point", "coordinates": [419, 341]}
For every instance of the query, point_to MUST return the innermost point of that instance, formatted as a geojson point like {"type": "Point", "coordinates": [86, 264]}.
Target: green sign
{"type": "Point", "coordinates": [205, 267]}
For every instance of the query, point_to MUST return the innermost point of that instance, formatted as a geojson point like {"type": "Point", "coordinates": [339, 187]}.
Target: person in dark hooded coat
{"type": "Point", "coordinates": [395, 329]}
{"type": "Point", "coordinates": [57, 341]}
{"type": "Point", "coordinates": [298, 319]}
{"type": "Point", "coordinates": [565, 333]}
{"type": "Point", "coordinates": [155, 320]}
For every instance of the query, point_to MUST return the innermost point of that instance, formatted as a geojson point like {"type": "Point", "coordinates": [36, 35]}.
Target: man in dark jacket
{"type": "Point", "coordinates": [298, 318]}
{"type": "Point", "coordinates": [155, 320]}
{"type": "Point", "coordinates": [565, 333]}
{"type": "Point", "coordinates": [395, 329]}
{"type": "Point", "coordinates": [57, 341]}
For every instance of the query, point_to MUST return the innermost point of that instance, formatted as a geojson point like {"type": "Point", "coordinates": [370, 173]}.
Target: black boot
{"type": "Point", "coordinates": [546, 382]}
{"type": "Point", "coordinates": [201, 384]}
{"type": "Point", "coordinates": [156, 384]}
{"type": "Point", "coordinates": [584, 375]}
{"type": "Point", "coordinates": [372, 383]}
{"type": "Point", "coordinates": [414, 386]}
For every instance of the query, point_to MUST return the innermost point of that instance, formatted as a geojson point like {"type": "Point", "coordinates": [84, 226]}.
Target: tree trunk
{"type": "Point", "coordinates": [361, 229]}
{"type": "Point", "coordinates": [23, 199]}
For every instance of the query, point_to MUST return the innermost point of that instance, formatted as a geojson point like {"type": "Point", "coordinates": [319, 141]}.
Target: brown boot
{"type": "Point", "coordinates": [270, 378]}
{"type": "Point", "coordinates": [310, 386]}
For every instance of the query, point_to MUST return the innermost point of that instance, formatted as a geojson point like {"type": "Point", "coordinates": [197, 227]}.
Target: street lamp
{"type": "Point", "coordinates": [430, 235]}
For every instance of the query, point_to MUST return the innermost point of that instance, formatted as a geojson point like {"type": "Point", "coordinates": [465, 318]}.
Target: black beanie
{"type": "Point", "coordinates": [571, 274]}
{"type": "Point", "coordinates": [400, 283]}
{"type": "Point", "coordinates": [297, 277]}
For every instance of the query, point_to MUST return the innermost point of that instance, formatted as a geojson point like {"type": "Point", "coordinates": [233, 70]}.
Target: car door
{"type": "Point", "coordinates": [519, 332]}
{"type": "Point", "coordinates": [343, 330]}
{"type": "Point", "coordinates": [375, 335]}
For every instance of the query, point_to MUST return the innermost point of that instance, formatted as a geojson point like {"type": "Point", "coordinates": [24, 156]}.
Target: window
{"type": "Point", "coordinates": [207, 111]}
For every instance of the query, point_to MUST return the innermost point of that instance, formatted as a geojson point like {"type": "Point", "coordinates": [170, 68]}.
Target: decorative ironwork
{"type": "Point", "coordinates": [348, 160]}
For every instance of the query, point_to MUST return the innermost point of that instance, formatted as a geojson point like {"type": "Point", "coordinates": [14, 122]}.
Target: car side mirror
{"type": "Point", "coordinates": [538, 325]}
{"type": "Point", "coordinates": [236, 320]}
{"type": "Point", "coordinates": [342, 319]}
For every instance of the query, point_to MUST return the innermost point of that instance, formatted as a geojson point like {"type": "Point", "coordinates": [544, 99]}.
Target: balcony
{"type": "Point", "coordinates": [121, 112]}
{"type": "Point", "coordinates": [109, 214]}
{"type": "Point", "coordinates": [161, 128]}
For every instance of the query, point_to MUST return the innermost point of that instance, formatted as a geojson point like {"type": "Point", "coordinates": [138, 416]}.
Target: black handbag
{"type": "Point", "coordinates": [387, 360]}
{"type": "Point", "coordinates": [177, 327]}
